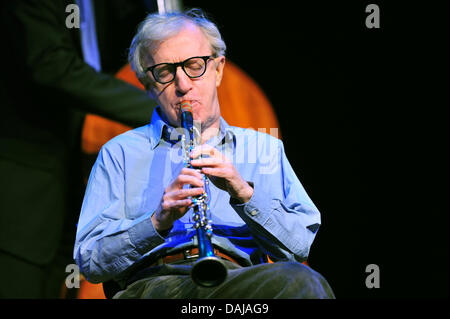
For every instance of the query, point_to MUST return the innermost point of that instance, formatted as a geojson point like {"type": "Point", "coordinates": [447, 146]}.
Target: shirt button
{"type": "Point", "coordinates": [254, 212]}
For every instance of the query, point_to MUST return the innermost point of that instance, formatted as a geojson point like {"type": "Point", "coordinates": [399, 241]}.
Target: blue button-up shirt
{"type": "Point", "coordinates": [127, 183]}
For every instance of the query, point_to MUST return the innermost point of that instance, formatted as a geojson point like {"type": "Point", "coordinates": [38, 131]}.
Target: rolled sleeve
{"type": "Point", "coordinates": [257, 209]}
{"type": "Point", "coordinates": [109, 241]}
{"type": "Point", "coordinates": [144, 236]}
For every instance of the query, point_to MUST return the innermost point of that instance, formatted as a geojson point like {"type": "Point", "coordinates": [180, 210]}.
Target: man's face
{"type": "Point", "coordinates": [202, 91]}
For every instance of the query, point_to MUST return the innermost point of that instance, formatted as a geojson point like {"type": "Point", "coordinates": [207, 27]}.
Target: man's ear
{"type": "Point", "coordinates": [220, 64]}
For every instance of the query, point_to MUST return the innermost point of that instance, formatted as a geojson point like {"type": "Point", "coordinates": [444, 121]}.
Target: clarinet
{"type": "Point", "coordinates": [208, 270]}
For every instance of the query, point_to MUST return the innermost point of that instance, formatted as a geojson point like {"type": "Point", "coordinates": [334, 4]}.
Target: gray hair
{"type": "Point", "coordinates": [159, 27]}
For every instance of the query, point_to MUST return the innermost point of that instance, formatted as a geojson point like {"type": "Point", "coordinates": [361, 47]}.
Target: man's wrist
{"type": "Point", "coordinates": [246, 193]}
{"type": "Point", "coordinates": [159, 227]}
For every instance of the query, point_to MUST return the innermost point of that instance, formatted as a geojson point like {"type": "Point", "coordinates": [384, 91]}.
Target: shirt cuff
{"type": "Point", "coordinates": [144, 236]}
{"type": "Point", "coordinates": [258, 208]}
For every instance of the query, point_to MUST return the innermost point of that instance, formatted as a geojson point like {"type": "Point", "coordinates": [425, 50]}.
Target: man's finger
{"type": "Point", "coordinates": [191, 172]}
{"type": "Point", "coordinates": [207, 162]}
{"type": "Point", "coordinates": [216, 172]}
{"type": "Point", "coordinates": [206, 149]}
{"type": "Point", "coordinates": [187, 179]}
{"type": "Point", "coordinates": [184, 193]}
{"type": "Point", "coordinates": [180, 203]}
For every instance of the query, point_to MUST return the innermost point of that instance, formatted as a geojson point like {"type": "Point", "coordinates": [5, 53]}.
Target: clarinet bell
{"type": "Point", "coordinates": [209, 271]}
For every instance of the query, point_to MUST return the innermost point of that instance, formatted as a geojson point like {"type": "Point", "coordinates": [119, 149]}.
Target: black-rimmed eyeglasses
{"type": "Point", "coordinates": [194, 67]}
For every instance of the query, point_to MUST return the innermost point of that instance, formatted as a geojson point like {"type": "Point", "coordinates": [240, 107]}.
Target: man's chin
{"type": "Point", "coordinates": [208, 123]}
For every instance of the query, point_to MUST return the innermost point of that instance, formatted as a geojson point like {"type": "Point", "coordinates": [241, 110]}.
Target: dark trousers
{"type": "Point", "coordinates": [287, 280]}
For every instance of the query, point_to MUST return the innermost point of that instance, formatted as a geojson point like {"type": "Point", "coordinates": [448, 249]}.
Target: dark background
{"type": "Point", "coordinates": [364, 118]}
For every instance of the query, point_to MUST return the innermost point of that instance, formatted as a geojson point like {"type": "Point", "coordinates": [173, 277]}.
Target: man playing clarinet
{"type": "Point", "coordinates": [136, 229]}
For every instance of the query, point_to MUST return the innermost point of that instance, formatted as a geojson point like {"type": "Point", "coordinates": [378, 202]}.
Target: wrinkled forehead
{"type": "Point", "coordinates": [189, 41]}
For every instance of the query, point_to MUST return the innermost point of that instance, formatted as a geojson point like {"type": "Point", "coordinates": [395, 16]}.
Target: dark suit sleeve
{"type": "Point", "coordinates": [46, 88]}
{"type": "Point", "coordinates": [52, 61]}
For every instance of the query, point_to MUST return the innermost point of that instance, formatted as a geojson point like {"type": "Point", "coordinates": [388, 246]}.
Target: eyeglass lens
{"type": "Point", "coordinates": [193, 67]}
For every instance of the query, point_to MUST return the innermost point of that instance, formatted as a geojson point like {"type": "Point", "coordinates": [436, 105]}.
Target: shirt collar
{"type": "Point", "coordinates": [156, 127]}
{"type": "Point", "coordinates": [226, 135]}
{"type": "Point", "coordinates": [159, 129]}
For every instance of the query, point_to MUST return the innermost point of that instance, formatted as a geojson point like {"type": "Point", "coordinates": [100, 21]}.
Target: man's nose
{"type": "Point", "coordinates": [183, 83]}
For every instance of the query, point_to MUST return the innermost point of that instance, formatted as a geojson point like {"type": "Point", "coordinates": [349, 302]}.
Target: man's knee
{"type": "Point", "coordinates": [290, 271]}
{"type": "Point", "coordinates": [302, 279]}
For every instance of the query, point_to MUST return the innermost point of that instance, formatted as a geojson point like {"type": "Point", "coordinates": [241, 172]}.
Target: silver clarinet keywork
{"type": "Point", "coordinates": [208, 270]}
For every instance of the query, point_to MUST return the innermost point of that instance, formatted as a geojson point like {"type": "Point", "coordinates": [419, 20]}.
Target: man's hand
{"type": "Point", "coordinates": [221, 172]}
{"type": "Point", "coordinates": [175, 201]}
